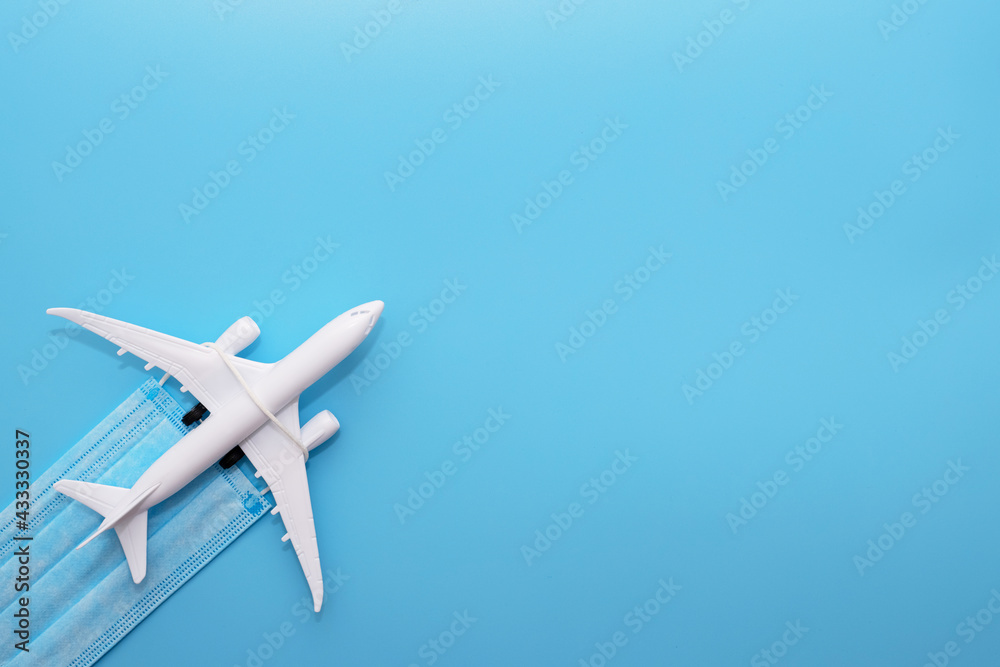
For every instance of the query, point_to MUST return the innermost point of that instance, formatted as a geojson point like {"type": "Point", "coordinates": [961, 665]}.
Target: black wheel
{"type": "Point", "coordinates": [231, 457]}
{"type": "Point", "coordinates": [194, 414]}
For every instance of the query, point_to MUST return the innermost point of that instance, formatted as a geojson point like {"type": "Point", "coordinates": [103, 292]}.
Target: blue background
{"type": "Point", "coordinates": [323, 176]}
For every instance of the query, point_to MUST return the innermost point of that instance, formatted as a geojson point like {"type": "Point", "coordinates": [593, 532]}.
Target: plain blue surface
{"type": "Point", "coordinates": [323, 177]}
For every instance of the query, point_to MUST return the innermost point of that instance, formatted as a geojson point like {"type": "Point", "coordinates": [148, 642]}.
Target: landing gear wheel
{"type": "Point", "coordinates": [194, 414]}
{"type": "Point", "coordinates": [231, 458]}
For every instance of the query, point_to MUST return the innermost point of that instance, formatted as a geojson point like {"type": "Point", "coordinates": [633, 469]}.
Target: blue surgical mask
{"type": "Point", "coordinates": [83, 602]}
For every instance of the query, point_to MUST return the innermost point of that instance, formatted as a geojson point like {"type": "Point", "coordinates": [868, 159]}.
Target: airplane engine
{"type": "Point", "coordinates": [318, 429]}
{"type": "Point", "coordinates": [242, 332]}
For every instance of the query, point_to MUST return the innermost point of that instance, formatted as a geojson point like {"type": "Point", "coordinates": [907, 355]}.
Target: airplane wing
{"type": "Point", "coordinates": [282, 465]}
{"type": "Point", "coordinates": [198, 367]}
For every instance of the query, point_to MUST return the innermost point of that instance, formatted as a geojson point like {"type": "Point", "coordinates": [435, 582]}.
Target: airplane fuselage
{"type": "Point", "coordinates": [240, 417]}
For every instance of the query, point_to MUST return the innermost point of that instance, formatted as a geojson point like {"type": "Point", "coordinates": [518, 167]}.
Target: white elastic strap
{"type": "Point", "coordinates": [236, 373]}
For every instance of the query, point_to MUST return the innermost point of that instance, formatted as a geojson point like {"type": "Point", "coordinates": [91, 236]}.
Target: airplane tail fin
{"type": "Point", "coordinates": [110, 502]}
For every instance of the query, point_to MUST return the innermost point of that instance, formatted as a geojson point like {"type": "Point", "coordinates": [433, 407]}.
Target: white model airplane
{"type": "Point", "coordinates": [252, 404]}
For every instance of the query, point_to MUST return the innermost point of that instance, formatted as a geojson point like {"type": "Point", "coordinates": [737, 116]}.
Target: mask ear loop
{"type": "Point", "coordinates": [250, 392]}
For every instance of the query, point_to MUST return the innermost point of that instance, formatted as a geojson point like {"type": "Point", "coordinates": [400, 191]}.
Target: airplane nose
{"type": "Point", "coordinates": [373, 310]}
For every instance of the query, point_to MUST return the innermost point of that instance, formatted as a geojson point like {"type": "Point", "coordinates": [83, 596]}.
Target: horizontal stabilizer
{"type": "Point", "coordinates": [98, 497]}
{"type": "Point", "coordinates": [112, 502]}
{"type": "Point", "coordinates": [132, 535]}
